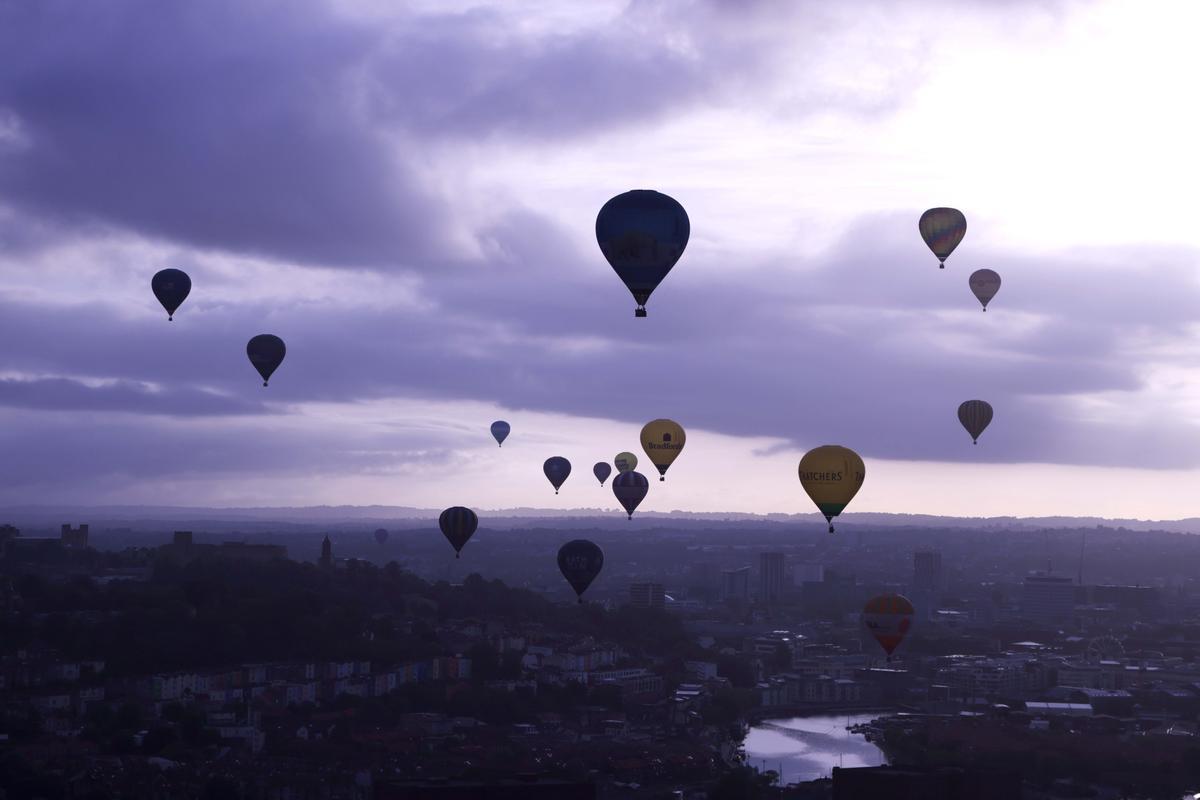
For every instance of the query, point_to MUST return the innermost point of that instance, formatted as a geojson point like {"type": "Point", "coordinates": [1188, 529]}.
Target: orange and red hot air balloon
{"type": "Point", "coordinates": [888, 617]}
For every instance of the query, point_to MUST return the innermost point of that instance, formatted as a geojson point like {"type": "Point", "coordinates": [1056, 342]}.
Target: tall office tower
{"type": "Point", "coordinates": [1048, 599]}
{"type": "Point", "coordinates": [646, 595]}
{"type": "Point", "coordinates": [770, 577]}
{"type": "Point", "coordinates": [735, 584]}
{"type": "Point", "coordinates": [927, 582]}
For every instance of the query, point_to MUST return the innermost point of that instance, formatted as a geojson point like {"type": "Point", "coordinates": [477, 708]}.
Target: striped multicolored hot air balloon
{"type": "Point", "coordinates": [458, 525]}
{"type": "Point", "coordinates": [975, 416]}
{"type": "Point", "coordinates": [888, 617]}
{"type": "Point", "coordinates": [942, 229]}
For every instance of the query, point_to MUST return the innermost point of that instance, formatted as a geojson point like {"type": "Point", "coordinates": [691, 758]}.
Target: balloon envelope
{"type": "Point", "coordinates": [626, 462]}
{"type": "Point", "coordinates": [942, 229]}
{"type": "Point", "coordinates": [171, 287]}
{"type": "Point", "coordinates": [975, 416]}
{"type": "Point", "coordinates": [630, 489]}
{"type": "Point", "coordinates": [557, 470]}
{"type": "Point", "coordinates": [458, 525]}
{"type": "Point", "coordinates": [381, 535]}
{"type": "Point", "coordinates": [500, 430]}
{"type": "Point", "coordinates": [888, 617]}
{"type": "Point", "coordinates": [984, 284]}
{"type": "Point", "coordinates": [601, 470]}
{"type": "Point", "coordinates": [642, 233]}
{"type": "Point", "coordinates": [831, 475]}
{"type": "Point", "coordinates": [266, 352]}
{"type": "Point", "coordinates": [580, 561]}
{"type": "Point", "coordinates": [663, 440]}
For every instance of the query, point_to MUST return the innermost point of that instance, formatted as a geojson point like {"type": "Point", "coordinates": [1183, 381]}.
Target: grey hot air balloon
{"type": "Point", "coordinates": [557, 470]}
{"type": "Point", "coordinates": [580, 561]}
{"type": "Point", "coordinates": [630, 489]}
{"type": "Point", "coordinates": [942, 229]}
{"type": "Point", "coordinates": [975, 415]}
{"type": "Point", "coordinates": [984, 285]}
{"type": "Point", "coordinates": [266, 352]}
{"type": "Point", "coordinates": [601, 470]}
{"type": "Point", "coordinates": [500, 431]}
{"type": "Point", "coordinates": [171, 287]}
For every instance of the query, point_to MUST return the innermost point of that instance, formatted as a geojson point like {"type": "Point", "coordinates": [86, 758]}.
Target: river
{"type": "Point", "coordinates": [810, 747]}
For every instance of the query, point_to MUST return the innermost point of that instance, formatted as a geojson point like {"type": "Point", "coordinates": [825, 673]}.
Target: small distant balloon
{"type": "Point", "coordinates": [984, 285]}
{"type": "Point", "coordinates": [381, 535]}
{"type": "Point", "coordinates": [580, 561]}
{"type": "Point", "coordinates": [458, 525]}
{"type": "Point", "coordinates": [266, 352]}
{"type": "Point", "coordinates": [975, 416]}
{"type": "Point", "coordinates": [171, 287]}
{"type": "Point", "coordinates": [630, 489]}
{"type": "Point", "coordinates": [557, 470]}
{"type": "Point", "coordinates": [601, 470]}
{"type": "Point", "coordinates": [500, 430]}
{"type": "Point", "coordinates": [831, 475]}
{"type": "Point", "coordinates": [663, 440]}
{"type": "Point", "coordinates": [942, 229]}
{"type": "Point", "coordinates": [626, 462]}
{"type": "Point", "coordinates": [642, 233]}
{"type": "Point", "coordinates": [888, 617]}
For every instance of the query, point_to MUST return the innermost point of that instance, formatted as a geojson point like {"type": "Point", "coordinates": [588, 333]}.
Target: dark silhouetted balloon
{"type": "Point", "coordinates": [888, 617]}
{"type": "Point", "coordinates": [557, 470]}
{"type": "Point", "coordinates": [500, 430]}
{"type": "Point", "coordinates": [580, 561]}
{"type": "Point", "coordinates": [601, 470]}
{"type": "Point", "coordinates": [642, 233]}
{"type": "Point", "coordinates": [171, 287]}
{"type": "Point", "coordinates": [984, 284]}
{"type": "Point", "coordinates": [458, 525]}
{"type": "Point", "coordinates": [630, 488]}
{"type": "Point", "coordinates": [975, 416]}
{"type": "Point", "coordinates": [381, 535]}
{"type": "Point", "coordinates": [266, 352]}
{"type": "Point", "coordinates": [942, 229]}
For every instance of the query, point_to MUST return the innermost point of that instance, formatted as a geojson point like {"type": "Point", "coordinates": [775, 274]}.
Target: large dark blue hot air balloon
{"type": "Point", "coordinates": [601, 470]}
{"type": "Point", "coordinates": [500, 431]}
{"type": "Point", "coordinates": [171, 287]}
{"type": "Point", "coordinates": [630, 488]}
{"type": "Point", "coordinates": [642, 233]}
{"type": "Point", "coordinates": [458, 524]}
{"type": "Point", "coordinates": [557, 470]}
{"type": "Point", "coordinates": [266, 352]}
{"type": "Point", "coordinates": [580, 561]}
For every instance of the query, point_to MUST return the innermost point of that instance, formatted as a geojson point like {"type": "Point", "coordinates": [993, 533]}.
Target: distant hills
{"type": "Point", "coordinates": [406, 516]}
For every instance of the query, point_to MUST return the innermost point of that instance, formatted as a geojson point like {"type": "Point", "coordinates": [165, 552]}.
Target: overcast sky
{"type": "Point", "coordinates": [406, 193]}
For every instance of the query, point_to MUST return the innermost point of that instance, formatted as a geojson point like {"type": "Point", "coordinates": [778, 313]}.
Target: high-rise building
{"type": "Point", "coordinates": [770, 577]}
{"type": "Point", "coordinates": [646, 595]}
{"type": "Point", "coordinates": [75, 537]}
{"type": "Point", "coordinates": [927, 582]}
{"type": "Point", "coordinates": [326, 552]}
{"type": "Point", "coordinates": [1048, 599]}
{"type": "Point", "coordinates": [735, 584]}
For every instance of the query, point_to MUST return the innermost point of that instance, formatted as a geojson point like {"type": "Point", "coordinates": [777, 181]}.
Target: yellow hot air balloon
{"type": "Point", "coordinates": [625, 461]}
{"type": "Point", "coordinates": [663, 440]}
{"type": "Point", "coordinates": [832, 475]}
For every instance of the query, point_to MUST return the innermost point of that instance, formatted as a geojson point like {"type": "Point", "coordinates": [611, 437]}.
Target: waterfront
{"type": "Point", "coordinates": [808, 748]}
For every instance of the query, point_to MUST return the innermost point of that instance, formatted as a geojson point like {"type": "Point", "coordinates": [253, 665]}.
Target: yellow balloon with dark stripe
{"type": "Point", "coordinates": [832, 475]}
{"type": "Point", "coordinates": [663, 440]}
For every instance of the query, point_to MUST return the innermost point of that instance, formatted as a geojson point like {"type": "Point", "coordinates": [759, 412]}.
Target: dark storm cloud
{"type": "Point", "coordinates": [62, 394]}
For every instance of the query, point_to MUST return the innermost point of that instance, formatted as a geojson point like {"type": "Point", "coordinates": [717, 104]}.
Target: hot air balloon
{"type": "Point", "coordinates": [381, 535]}
{"type": "Point", "coordinates": [975, 415]}
{"type": "Point", "coordinates": [500, 430]}
{"type": "Point", "coordinates": [831, 475]}
{"type": "Point", "coordinates": [557, 470]}
{"type": "Point", "coordinates": [626, 462]}
{"type": "Point", "coordinates": [663, 440]}
{"type": "Point", "coordinates": [580, 561]}
{"type": "Point", "coordinates": [630, 488]}
{"type": "Point", "coordinates": [601, 470]}
{"type": "Point", "coordinates": [642, 233]}
{"type": "Point", "coordinates": [171, 287]}
{"type": "Point", "coordinates": [266, 352]}
{"type": "Point", "coordinates": [942, 229]}
{"type": "Point", "coordinates": [984, 285]}
{"type": "Point", "coordinates": [458, 525]}
{"type": "Point", "coordinates": [888, 617]}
